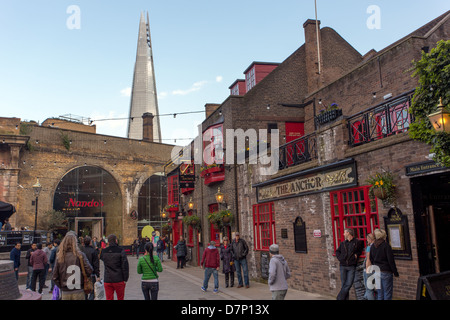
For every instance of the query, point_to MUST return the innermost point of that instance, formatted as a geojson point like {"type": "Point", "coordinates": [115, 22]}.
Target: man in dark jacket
{"type": "Point", "coordinates": [38, 260]}
{"type": "Point", "coordinates": [14, 255]}
{"type": "Point", "coordinates": [239, 249]}
{"type": "Point", "coordinates": [92, 256]}
{"type": "Point", "coordinates": [29, 266]}
{"type": "Point", "coordinates": [348, 252]}
{"type": "Point", "coordinates": [116, 269]}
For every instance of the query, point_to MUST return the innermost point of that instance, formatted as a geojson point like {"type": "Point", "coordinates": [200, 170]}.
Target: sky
{"type": "Point", "coordinates": [61, 57]}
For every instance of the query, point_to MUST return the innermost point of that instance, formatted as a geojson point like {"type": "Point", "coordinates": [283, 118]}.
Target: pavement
{"type": "Point", "coordinates": [185, 284]}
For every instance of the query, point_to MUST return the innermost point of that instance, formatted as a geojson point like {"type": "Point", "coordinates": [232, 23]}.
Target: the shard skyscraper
{"type": "Point", "coordinates": [143, 94]}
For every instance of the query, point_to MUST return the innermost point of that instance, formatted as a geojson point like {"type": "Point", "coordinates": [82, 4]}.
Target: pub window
{"type": "Point", "coordinates": [264, 226]}
{"type": "Point", "coordinates": [172, 191]}
{"type": "Point", "coordinates": [353, 208]}
{"type": "Point", "coordinates": [215, 232]}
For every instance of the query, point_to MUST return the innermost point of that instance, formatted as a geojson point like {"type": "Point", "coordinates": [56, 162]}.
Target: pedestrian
{"type": "Point", "coordinates": [381, 256]}
{"type": "Point", "coordinates": [136, 245]}
{"type": "Point", "coordinates": [149, 266]}
{"type": "Point", "coordinates": [52, 261]}
{"type": "Point", "coordinates": [160, 247]}
{"type": "Point", "coordinates": [240, 250]}
{"type": "Point", "coordinates": [92, 257]}
{"type": "Point", "coordinates": [67, 273]}
{"type": "Point", "coordinates": [279, 272]}
{"type": "Point", "coordinates": [181, 253]}
{"type": "Point", "coordinates": [29, 265]}
{"type": "Point", "coordinates": [348, 252]}
{"type": "Point", "coordinates": [116, 269]}
{"type": "Point", "coordinates": [226, 255]}
{"type": "Point", "coordinates": [38, 261]}
{"type": "Point", "coordinates": [48, 251]}
{"type": "Point", "coordinates": [14, 256]}
{"type": "Point", "coordinates": [95, 244]}
{"type": "Point", "coordinates": [7, 226]}
{"type": "Point", "coordinates": [211, 263]}
{"type": "Point", "coordinates": [370, 292]}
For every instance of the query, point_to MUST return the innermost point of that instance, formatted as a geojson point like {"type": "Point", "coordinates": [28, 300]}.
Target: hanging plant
{"type": "Point", "coordinates": [433, 71]}
{"type": "Point", "coordinates": [226, 215]}
{"type": "Point", "coordinates": [383, 187]}
{"type": "Point", "coordinates": [192, 220]}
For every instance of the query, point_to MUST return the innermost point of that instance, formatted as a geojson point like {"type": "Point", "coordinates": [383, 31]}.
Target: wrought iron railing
{"type": "Point", "coordinates": [386, 119]}
{"type": "Point", "coordinates": [298, 151]}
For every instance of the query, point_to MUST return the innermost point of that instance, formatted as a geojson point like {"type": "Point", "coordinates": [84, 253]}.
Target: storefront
{"type": "Point", "coordinates": [91, 200]}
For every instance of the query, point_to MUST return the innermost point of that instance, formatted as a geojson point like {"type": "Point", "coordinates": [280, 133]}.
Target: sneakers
{"type": "Point", "coordinates": [203, 289]}
{"type": "Point", "coordinates": [216, 291]}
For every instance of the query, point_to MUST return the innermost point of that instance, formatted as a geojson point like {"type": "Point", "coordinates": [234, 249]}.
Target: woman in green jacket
{"type": "Point", "coordinates": [149, 266]}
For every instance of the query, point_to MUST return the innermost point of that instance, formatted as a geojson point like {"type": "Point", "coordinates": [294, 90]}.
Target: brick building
{"type": "Point", "coordinates": [100, 182]}
{"type": "Point", "coordinates": [321, 184]}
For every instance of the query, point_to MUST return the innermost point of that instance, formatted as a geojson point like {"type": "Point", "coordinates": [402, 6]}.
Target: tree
{"type": "Point", "coordinates": [54, 220]}
{"type": "Point", "coordinates": [433, 71]}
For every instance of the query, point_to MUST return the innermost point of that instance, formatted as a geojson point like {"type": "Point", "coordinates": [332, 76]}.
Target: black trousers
{"type": "Point", "coordinates": [39, 273]}
{"type": "Point", "coordinates": [181, 261]}
{"type": "Point", "coordinates": [150, 290]}
{"type": "Point", "coordinates": [229, 276]}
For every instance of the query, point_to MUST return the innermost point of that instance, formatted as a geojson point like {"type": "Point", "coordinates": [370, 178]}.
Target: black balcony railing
{"type": "Point", "coordinates": [386, 119]}
{"type": "Point", "coordinates": [298, 151]}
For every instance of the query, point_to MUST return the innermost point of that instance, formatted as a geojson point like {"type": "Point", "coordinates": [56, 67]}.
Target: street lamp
{"type": "Point", "coordinates": [219, 196]}
{"type": "Point", "coordinates": [37, 189]}
{"type": "Point", "coordinates": [191, 204]}
{"type": "Point", "coordinates": [440, 119]}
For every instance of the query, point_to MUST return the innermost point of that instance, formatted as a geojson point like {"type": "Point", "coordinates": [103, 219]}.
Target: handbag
{"type": "Point", "coordinates": [56, 293]}
{"type": "Point", "coordinates": [87, 286]}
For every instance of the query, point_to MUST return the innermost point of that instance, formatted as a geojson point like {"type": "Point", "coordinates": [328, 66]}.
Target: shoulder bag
{"type": "Point", "coordinates": [87, 286]}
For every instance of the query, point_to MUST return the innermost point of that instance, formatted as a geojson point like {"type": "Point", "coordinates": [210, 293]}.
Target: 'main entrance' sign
{"type": "Point", "coordinates": [311, 181]}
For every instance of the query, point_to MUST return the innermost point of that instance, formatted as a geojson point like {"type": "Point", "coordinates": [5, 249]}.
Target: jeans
{"type": "Point", "coordinates": [370, 293]}
{"type": "Point", "coordinates": [118, 287]}
{"type": "Point", "coordinates": [29, 275]}
{"type": "Point", "coordinates": [150, 290]}
{"type": "Point", "coordinates": [160, 255]}
{"type": "Point", "coordinates": [242, 263]}
{"type": "Point", "coordinates": [279, 294]}
{"type": "Point", "coordinates": [215, 273]}
{"type": "Point", "coordinates": [39, 273]}
{"type": "Point", "coordinates": [387, 286]}
{"type": "Point", "coordinates": [347, 278]}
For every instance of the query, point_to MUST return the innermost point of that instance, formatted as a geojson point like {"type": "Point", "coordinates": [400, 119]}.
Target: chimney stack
{"type": "Point", "coordinates": [312, 57]}
{"type": "Point", "coordinates": [147, 127]}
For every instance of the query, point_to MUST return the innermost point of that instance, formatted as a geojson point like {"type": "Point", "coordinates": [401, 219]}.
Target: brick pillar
{"type": "Point", "coordinates": [312, 60]}
{"type": "Point", "coordinates": [9, 290]}
{"type": "Point", "coordinates": [147, 126]}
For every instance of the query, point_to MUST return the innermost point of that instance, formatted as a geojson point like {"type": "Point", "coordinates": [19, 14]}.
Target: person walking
{"type": "Point", "coordinates": [68, 273]}
{"type": "Point", "coordinates": [29, 265]}
{"type": "Point", "coordinates": [381, 256]}
{"type": "Point", "coordinates": [181, 253]}
{"type": "Point", "coordinates": [38, 261]}
{"type": "Point", "coordinates": [48, 251]}
{"type": "Point", "coordinates": [226, 255]}
{"type": "Point", "coordinates": [348, 252]}
{"type": "Point", "coordinates": [92, 256]}
{"type": "Point", "coordinates": [149, 266]}
{"type": "Point", "coordinates": [136, 246]}
{"type": "Point", "coordinates": [14, 256]}
{"type": "Point", "coordinates": [52, 261]}
{"type": "Point", "coordinates": [369, 293]}
{"type": "Point", "coordinates": [116, 269]}
{"type": "Point", "coordinates": [160, 247]}
{"type": "Point", "coordinates": [239, 249]}
{"type": "Point", "coordinates": [279, 272]}
{"type": "Point", "coordinates": [211, 263]}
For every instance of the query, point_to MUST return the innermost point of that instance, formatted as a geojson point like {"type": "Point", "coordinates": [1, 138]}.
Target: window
{"type": "Point", "coordinates": [172, 189]}
{"type": "Point", "coordinates": [250, 79]}
{"type": "Point", "coordinates": [213, 145]}
{"type": "Point", "coordinates": [215, 232]}
{"type": "Point", "coordinates": [235, 90]}
{"type": "Point", "coordinates": [354, 209]}
{"type": "Point", "coordinates": [263, 226]}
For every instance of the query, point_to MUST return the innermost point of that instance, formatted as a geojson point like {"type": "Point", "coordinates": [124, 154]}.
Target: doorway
{"type": "Point", "coordinates": [92, 227]}
{"type": "Point", "coordinates": [431, 204]}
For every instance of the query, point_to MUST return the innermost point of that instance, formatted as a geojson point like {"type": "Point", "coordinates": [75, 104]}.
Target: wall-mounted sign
{"type": "Point", "coordinates": [83, 204]}
{"type": "Point", "coordinates": [317, 233]}
{"type": "Point", "coordinates": [265, 260]}
{"type": "Point", "coordinates": [397, 231]}
{"type": "Point", "coordinates": [134, 215]}
{"type": "Point", "coordinates": [423, 167]}
{"type": "Point", "coordinates": [320, 179]}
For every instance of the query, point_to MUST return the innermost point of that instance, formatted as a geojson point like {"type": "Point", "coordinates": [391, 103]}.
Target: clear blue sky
{"type": "Point", "coordinates": [200, 47]}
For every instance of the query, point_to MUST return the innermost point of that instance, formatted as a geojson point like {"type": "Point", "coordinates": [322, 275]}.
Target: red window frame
{"type": "Point", "coordinates": [212, 138]}
{"type": "Point", "coordinates": [172, 189]}
{"type": "Point", "coordinates": [215, 232]}
{"type": "Point", "coordinates": [353, 208]}
{"type": "Point", "coordinates": [264, 226]}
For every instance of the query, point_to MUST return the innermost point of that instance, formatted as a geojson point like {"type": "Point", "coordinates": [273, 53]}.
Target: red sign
{"type": "Point", "coordinates": [83, 204]}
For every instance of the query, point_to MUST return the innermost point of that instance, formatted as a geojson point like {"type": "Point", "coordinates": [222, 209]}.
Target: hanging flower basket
{"type": "Point", "coordinates": [380, 193]}
{"type": "Point", "coordinates": [383, 187]}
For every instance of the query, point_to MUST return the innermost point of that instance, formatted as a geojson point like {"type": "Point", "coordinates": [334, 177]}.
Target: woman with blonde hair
{"type": "Point", "coordinates": [381, 256]}
{"type": "Point", "coordinates": [68, 271]}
